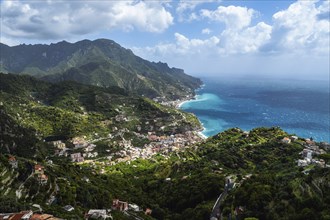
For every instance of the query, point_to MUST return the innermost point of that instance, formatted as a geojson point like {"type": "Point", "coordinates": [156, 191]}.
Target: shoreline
{"type": "Point", "coordinates": [203, 136]}
{"type": "Point", "coordinates": [179, 104]}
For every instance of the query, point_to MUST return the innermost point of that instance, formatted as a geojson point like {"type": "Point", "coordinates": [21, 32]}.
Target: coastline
{"type": "Point", "coordinates": [179, 104]}
{"type": "Point", "coordinates": [200, 133]}
{"type": "Point", "coordinates": [183, 101]}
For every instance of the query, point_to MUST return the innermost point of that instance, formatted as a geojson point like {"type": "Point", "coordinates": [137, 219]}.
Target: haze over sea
{"type": "Point", "coordinates": [299, 107]}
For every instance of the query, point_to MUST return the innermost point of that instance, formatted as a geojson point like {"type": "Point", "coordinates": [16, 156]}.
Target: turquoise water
{"type": "Point", "coordinates": [299, 107]}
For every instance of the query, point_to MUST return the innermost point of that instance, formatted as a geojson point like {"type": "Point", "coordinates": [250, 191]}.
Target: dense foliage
{"type": "Point", "coordinates": [32, 109]}
{"type": "Point", "coordinates": [181, 185]}
{"type": "Point", "coordinates": [186, 185]}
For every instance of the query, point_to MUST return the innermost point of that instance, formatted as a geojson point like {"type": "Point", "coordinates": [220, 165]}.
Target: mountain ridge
{"type": "Point", "coordinates": [101, 62]}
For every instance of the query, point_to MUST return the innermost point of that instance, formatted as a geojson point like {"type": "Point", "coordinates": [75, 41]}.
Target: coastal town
{"type": "Point", "coordinates": [311, 152]}
{"type": "Point", "coordinates": [158, 145]}
{"type": "Point", "coordinates": [162, 145]}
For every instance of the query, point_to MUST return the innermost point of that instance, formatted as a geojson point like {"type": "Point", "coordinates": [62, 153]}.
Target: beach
{"type": "Point", "coordinates": [181, 103]}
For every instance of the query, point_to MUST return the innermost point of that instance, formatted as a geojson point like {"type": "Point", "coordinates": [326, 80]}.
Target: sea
{"type": "Point", "coordinates": [299, 107]}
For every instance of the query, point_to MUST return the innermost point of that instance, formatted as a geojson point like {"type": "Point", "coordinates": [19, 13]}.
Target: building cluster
{"type": "Point", "coordinates": [79, 143]}
{"type": "Point", "coordinates": [125, 206]}
{"type": "Point", "coordinates": [163, 145]}
{"type": "Point", "coordinates": [39, 172]}
{"type": "Point", "coordinates": [98, 214]}
{"type": "Point", "coordinates": [13, 162]}
{"type": "Point", "coordinates": [175, 103]}
{"type": "Point", "coordinates": [27, 215]}
{"type": "Point", "coordinates": [310, 150]}
{"type": "Point", "coordinates": [76, 157]}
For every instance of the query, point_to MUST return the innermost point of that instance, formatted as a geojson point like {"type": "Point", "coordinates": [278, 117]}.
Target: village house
{"type": "Point", "coordinates": [58, 144]}
{"type": "Point", "coordinates": [294, 138]}
{"type": "Point", "coordinates": [13, 162]}
{"type": "Point", "coordinates": [309, 142]}
{"type": "Point", "coordinates": [98, 214]}
{"type": "Point", "coordinates": [153, 137]}
{"type": "Point", "coordinates": [79, 142]}
{"type": "Point", "coordinates": [43, 179]}
{"type": "Point", "coordinates": [286, 140]}
{"type": "Point", "coordinates": [302, 163]}
{"type": "Point", "coordinates": [37, 216]}
{"type": "Point", "coordinates": [119, 205]}
{"type": "Point", "coordinates": [38, 169]}
{"type": "Point", "coordinates": [120, 118]}
{"type": "Point", "coordinates": [134, 207]}
{"type": "Point", "coordinates": [76, 157]}
{"type": "Point", "coordinates": [23, 215]}
{"type": "Point", "coordinates": [90, 148]}
{"type": "Point", "coordinates": [148, 211]}
{"type": "Point", "coordinates": [68, 208]}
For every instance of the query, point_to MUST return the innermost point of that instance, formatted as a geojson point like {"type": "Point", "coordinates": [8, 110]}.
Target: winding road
{"type": "Point", "coordinates": [215, 214]}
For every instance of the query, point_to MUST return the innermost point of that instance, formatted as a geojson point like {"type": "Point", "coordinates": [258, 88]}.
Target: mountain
{"type": "Point", "coordinates": [32, 110]}
{"type": "Point", "coordinates": [100, 62]}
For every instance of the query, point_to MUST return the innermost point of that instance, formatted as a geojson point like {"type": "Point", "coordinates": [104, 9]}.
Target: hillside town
{"type": "Point", "coordinates": [310, 153]}
{"type": "Point", "coordinates": [162, 145]}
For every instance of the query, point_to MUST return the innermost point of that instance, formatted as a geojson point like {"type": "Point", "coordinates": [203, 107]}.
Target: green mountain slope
{"type": "Point", "coordinates": [269, 184]}
{"type": "Point", "coordinates": [32, 110]}
{"type": "Point", "coordinates": [101, 62]}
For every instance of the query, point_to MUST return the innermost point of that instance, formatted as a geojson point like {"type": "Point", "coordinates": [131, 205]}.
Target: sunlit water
{"type": "Point", "coordinates": [298, 107]}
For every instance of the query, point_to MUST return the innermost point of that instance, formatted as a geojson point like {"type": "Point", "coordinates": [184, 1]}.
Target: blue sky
{"type": "Point", "coordinates": [208, 37]}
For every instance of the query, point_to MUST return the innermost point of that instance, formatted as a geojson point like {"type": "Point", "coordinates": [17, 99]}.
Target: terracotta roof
{"type": "Point", "coordinates": [12, 158]}
{"type": "Point", "coordinates": [43, 176]}
{"type": "Point", "coordinates": [38, 167]}
{"type": "Point", "coordinates": [17, 216]}
{"type": "Point", "coordinates": [42, 217]}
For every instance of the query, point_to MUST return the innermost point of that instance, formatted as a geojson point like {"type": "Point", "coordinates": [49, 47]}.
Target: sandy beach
{"type": "Point", "coordinates": [181, 102]}
{"type": "Point", "coordinates": [178, 106]}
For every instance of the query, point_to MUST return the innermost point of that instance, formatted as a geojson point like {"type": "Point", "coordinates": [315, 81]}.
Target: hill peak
{"type": "Point", "coordinates": [112, 65]}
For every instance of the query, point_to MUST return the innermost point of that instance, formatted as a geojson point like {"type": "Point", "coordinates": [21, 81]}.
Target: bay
{"type": "Point", "coordinates": [299, 107]}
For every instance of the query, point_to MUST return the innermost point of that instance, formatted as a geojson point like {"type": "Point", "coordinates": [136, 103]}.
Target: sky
{"type": "Point", "coordinates": [207, 37]}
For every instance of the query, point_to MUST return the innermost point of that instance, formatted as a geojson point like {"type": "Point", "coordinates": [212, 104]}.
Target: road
{"type": "Point", "coordinates": [215, 214]}
{"type": "Point", "coordinates": [133, 215]}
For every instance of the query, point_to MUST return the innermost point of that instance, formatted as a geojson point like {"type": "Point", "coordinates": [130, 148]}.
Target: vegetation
{"type": "Point", "coordinates": [102, 63]}
{"type": "Point", "coordinates": [186, 185]}
{"type": "Point", "coordinates": [181, 185]}
{"type": "Point", "coordinates": [32, 110]}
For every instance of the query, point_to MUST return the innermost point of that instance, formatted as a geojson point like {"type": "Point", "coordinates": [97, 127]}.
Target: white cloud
{"type": "Point", "coordinates": [235, 17]}
{"type": "Point", "coordinates": [295, 43]}
{"type": "Point", "coordinates": [185, 9]}
{"type": "Point", "coordinates": [60, 19]}
{"type": "Point", "coordinates": [302, 28]}
{"type": "Point", "coordinates": [239, 36]}
{"type": "Point", "coordinates": [247, 40]}
{"type": "Point", "coordinates": [8, 41]}
{"type": "Point", "coordinates": [206, 31]}
{"type": "Point", "coordinates": [183, 47]}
